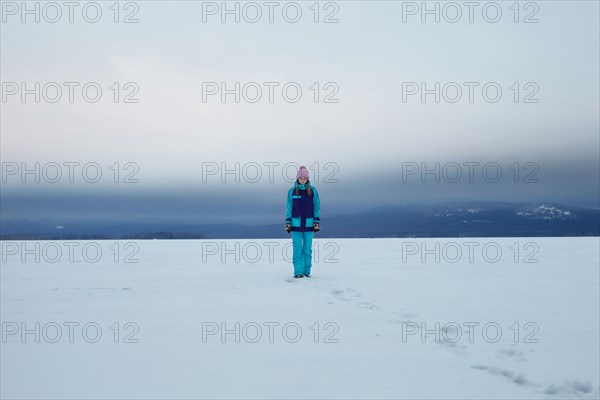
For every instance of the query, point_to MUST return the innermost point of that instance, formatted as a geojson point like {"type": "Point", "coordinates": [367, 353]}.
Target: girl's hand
{"type": "Point", "coordinates": [316, 227]}
{"type": "Point", "coordinates": [288, 228]}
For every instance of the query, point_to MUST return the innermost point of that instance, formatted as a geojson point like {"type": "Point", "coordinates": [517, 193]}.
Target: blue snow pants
{"type": "Point", "coordinates": [302, 244]}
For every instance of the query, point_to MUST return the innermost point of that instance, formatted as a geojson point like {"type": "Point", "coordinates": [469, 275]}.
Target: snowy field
{"type": "Point", "coordinates": [379, 318]}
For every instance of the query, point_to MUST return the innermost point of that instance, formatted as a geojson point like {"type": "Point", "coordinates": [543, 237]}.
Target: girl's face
{"type": "Point", "coordinates": [302, 181]}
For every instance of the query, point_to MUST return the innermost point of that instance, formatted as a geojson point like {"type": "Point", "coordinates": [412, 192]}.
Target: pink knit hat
{"type": "Point", "coordinates": [302, 172]}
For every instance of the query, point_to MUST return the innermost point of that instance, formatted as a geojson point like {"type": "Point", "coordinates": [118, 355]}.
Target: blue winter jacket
{"type": "Point", "coordinates": [302, 210]}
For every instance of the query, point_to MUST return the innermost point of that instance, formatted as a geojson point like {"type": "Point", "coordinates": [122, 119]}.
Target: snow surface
{"type": "Point", "coordinates": [363, 288]}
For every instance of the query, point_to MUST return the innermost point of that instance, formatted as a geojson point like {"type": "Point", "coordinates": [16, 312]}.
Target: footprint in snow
{"type": "Point", "coordinates": [573, 387]}
{"type": "Point", "coordinates": [519, 379]}
{"type": "Point", "coordinates": [352, 295]}
{"type": "Point", "coordinates": [568, 387]}
{"type": "Point", "coordinates": [355, 297]}
{"type": "Point", "coordinates": [367, 305]}
{"type": "Point", "coordinates": [405, 315]}
{"type": "Point", "coordinates": [514, 354]}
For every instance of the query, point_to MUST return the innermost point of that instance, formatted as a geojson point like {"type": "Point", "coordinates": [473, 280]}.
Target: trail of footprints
{"type": "Point", "coordinates": [570, 388]}
{"type": "Point", "coordinates": [352, 296]}
{"type": "Point", "coordinates": [355, 297]}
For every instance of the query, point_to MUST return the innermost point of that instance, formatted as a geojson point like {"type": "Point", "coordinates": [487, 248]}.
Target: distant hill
{"type": "Point", "coordinates": [456, 219]}
{"type": "Point", "coordinates": [474, 219]}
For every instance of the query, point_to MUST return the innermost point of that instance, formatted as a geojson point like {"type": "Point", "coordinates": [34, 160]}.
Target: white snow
{"type": "Point", "coordinates": [547, 213]}
{"type": "Point", "coordinates": [362, 294]}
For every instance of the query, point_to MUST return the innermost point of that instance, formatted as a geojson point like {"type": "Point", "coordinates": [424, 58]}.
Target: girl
{"type": "Point", "coordinates": [302, 218]}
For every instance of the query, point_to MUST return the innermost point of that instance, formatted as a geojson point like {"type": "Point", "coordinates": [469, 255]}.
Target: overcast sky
{"type": "Point", "coordinates": [361, 148]}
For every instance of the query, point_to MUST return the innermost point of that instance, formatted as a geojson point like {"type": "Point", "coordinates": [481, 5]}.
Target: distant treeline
{"type": "Point", "coordinates": [453, 219]}
{"type": "Point", "coordinates": [131, 236]}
